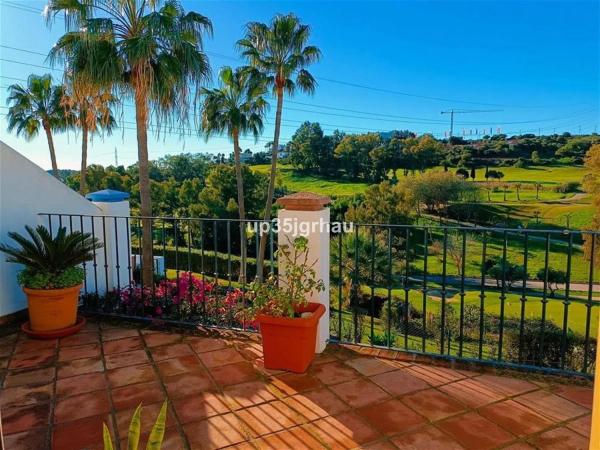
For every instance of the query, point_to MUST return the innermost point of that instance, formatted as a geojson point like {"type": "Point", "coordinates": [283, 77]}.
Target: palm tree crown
{"type": "Point", "coordinates": [237, 107]}
{"type": "Point", "coordinates": [37, 105]}
{"type": "Point", "coordinates": [279, 51]}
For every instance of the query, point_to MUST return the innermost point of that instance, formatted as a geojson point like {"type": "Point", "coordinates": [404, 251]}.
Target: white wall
{"type": "Point", "coordinates": [25, 191]}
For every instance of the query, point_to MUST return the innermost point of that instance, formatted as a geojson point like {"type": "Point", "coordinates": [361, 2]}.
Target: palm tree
{"type": "Point", "coordinates": [36, 105]}
{"type": "Point", "coordinates": [91, 112]}
{"type": "Point", "coordinates": [150, 51]}
{"type": "Point", "coordinates": [236, 108]}
{"type": "Point", "coordinates": [278, 52]}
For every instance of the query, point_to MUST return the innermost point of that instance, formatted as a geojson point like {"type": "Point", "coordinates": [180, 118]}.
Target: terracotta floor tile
{"type": "Point", "coordinates": [552, 406]}
{"type": "Point", "coordinates": [518, 446]}
{"type": "Point", "coordinates": [81, 405]}
{"type": "Point", "coordinates": [506, 385]}
{"type": "Point", "coordinates": [581, 395]}
{"type": "Point", "coordinates": [79, 367]}
{"type": "Point", "coordinates": [156, 339]}
{"type": "Point", "coordinates": [269, 418]}
{"type": "Point", "coordinates": [514, 417]}
{"type": "Point", "coordinates": [334, 372]}
{"type": "Point", "coordinates": [81, 351]}
{"type": "Point", "coordinates": [16, 420]}
{"type": "Point", "coordinates": [251, 351]}
{"type": "Point", "coordinates": [381, 445]}
{"type": "Point", "coordinates": [475, 432]}
{"type": "Point", "coordinates": [317, 404]}
{"type": "Point", "coordinates": [215, 432]}
{"type": "Point", "coordinates": [148, 416]}
{"type": "Point", "coordinates": [427, 438]}
{"type": "Point", "coordinates": [230, 374]}
{"type": "Point", "coordinates": [170, 351]}
{"type": "Point", "coordinates": [295, 438]}
{"type": "Point", "coordinates": [371, 366]}
{"type": "Point", "coordinates": [324, 358]}
{"type": "Point", "coordinates": [433, 404]}
{"type": "Point", "coordinates": [181, 364]}
{"type": "Point", "coordinates": [344, 431]}
{"type": "Point", "coordinates": [248, 394]}
{"type": "Point", "coordinates": [199, 406]}
{"type": "Point", "coordinates": [29, 377]}
{"type": "Point", "coordinates": [399, 382]}
{"type": "Point", "coordinates": [560, 439]}
{"type": "Point", "coordinates": [391, 417]}
{"type": "Point", "coordinates": [27, 440]}
{"type": "Point", "coordinates": [80, 339]}
{"type": "Point", "coordinates": [131, 375]}
{"type": "Point", "coordinates": [35, 359]}
{"type": "Point", "coordinates": [132, 395]}
{"type": "Point", "coordinates": [122, 345]}
{"type": "Point", "coordinates": [33, 345]}
{"type": "Point", "coordinates": [80, 384]}
{"type": "Point", "coordinates": [221, 357]}
{"type": "Point", "coordinates": [295, 383]}
{"type": "Point", "coordinates": [471, 392]}
{"type": "Point", "coordinates": [26, 395]}
{"type": "Point", "coordinates": [79, 434]}
{"type": "Point", "coordinates": [359, 392]}
{"type": "Point", "coordinates": [172, 440]}
{"type": "Point", "coordinates": [187, 384]}
{"type": "Point", "coordinates": [202, 344]}
{"type": "Point", "coordinates": [132, 358]}
{"type": "Point", "coordinates": [434, 375]}
{"type": "Point", "coordinates": [119, 333]}
{"type": "Point", "coordinates": [583, 425]}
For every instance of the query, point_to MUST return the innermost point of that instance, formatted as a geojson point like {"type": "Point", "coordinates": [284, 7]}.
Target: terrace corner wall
{"type": "Point", "coordinates": [25, 191]}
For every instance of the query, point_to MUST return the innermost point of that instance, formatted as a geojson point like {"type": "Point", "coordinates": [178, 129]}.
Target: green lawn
{"type": "Point", "coordinates": [297, 182]}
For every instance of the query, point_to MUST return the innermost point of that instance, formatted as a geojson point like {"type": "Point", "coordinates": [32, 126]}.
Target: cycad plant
{"type": "Point", "coordinates": [278, 52]}
{"type": "Point", "coordinates": [149, 51]}
{"type": "Point", "coordinates": [236, 107]}
{"type": "Point", "coordinates": [35, 106]}
{"type": "Point", "coordinates": [51, 262]}
{"type": "Point", "coordinates": [133, 437]}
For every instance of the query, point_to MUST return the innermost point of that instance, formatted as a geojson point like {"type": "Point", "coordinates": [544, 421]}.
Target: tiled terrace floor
{"type": "Point", "coordinates": [58, 394]}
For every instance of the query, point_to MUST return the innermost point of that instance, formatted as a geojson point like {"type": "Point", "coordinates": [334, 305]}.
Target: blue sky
{"type": "Point", "coordinates": [535, 62]}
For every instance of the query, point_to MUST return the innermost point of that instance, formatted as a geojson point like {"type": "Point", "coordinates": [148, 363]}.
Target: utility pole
{"type": "Point", "coordinates": [116, 157]}
{"type": "Point", "coordinates": [464, 111]}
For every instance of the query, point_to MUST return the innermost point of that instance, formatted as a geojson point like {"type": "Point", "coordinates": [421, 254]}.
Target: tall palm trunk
{"type": "Point", "coordinates": [46, 126]}
{"type": "Point", "coordinates": [83, 172]}
{"type": "Point", "coordinates": [241, 207]}
{"type": "Point", "coordinates": [271, 191]}
{"type": "Point", "coordinates": [141, 121]}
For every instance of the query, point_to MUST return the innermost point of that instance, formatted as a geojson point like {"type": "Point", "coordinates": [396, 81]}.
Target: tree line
{"type": "Point", "coordinates": [374, 157]}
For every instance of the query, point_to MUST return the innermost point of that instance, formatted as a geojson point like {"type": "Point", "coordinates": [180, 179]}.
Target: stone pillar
{"type": "Point", "coordinates": [115, 206]}
{"type": "Point", "coordinates": [305, 214]}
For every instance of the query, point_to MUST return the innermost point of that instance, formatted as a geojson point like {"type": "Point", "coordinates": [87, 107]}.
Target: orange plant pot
{"type": "Point", "coordinates": [52, 309]}
{"type": "Point", "coordinates": [289, 344]}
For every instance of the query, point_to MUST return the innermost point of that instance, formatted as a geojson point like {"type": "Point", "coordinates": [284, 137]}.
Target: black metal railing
{"type": "Point", "coordinates": [511, 297]}
{"type": "Point", "coordinates": [199, 275]}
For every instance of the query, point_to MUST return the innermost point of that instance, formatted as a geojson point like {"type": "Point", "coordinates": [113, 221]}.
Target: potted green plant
{"type": "Point", "coordinates": [52, 276]}
{"type": "Point", "coordinates": [287, 320]}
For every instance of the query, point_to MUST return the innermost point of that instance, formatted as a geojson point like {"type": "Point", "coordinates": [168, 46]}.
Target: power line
{"type": "Point", "coordinates": [398, 118]}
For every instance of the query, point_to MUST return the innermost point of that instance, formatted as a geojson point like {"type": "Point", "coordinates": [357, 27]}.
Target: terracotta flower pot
{"type": "Point", "coordinates": [289, 344]}
{"type": "Point", "coordinates": [52, 309]}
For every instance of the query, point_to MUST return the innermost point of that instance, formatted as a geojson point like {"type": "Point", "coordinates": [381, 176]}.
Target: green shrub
{"type": "Point", "coordinates": [565, 188]}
